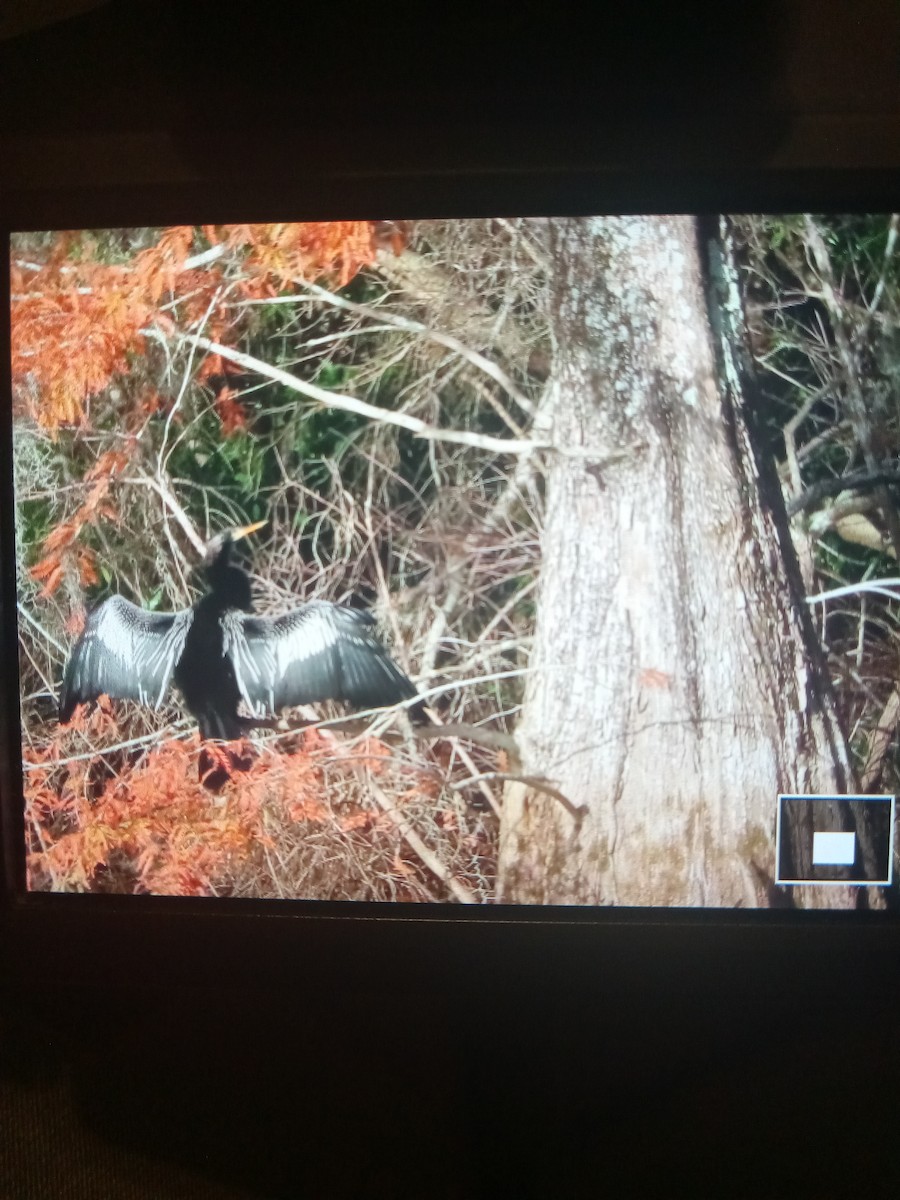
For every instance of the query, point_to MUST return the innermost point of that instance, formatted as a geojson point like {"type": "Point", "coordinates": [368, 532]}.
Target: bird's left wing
{"type": "Point", "coordinates": [126, 652]}
{"type": "Point", "coordinates": [318, 652]}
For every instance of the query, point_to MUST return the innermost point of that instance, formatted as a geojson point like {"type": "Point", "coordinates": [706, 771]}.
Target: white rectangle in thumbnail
{"type": "Point", "coordinates": [834, 849]}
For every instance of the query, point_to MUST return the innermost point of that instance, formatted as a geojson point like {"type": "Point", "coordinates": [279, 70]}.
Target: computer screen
{"type": "Point", "coordinates": [492, 561]}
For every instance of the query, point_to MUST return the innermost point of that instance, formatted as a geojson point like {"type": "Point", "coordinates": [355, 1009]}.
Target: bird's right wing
{"type": "Point", "coordinates": [125, 652]}
{"type": "Point", "coordinates": [318, 652]}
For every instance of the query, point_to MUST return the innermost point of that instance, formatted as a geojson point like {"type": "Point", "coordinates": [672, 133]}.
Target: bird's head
{"type": "Point", "coordinates": [227, 580]}
{"type": "Point", "coordinates": [218, 548]}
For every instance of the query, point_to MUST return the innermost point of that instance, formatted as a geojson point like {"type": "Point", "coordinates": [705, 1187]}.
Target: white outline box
{"type": "Point", "coordinates": [834, 882]}
{"type": "Point", "coordinates": [833, 849]}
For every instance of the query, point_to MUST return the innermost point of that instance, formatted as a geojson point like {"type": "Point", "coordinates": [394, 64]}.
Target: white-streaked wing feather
{"type": "Point", "coordinates": [125, 652]}
{"type": "Point", "coordinates": [318, 652]}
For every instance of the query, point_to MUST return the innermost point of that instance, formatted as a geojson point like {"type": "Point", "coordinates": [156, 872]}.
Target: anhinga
{"type": "Point", "coordinates": [219, 654]}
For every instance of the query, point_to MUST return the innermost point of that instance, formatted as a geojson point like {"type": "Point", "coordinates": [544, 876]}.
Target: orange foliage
{"type": "Point", "coordinates": [75, 321]}
{"type": "Point", "coordinates": [281, 254]}
{"type": "Point", "coordinates": [75, 622]}
{"type": "Point", "coordinates": [155, 828]}
{"type": "Point", "coordinates": [49, 570]}
{"type": "Point", "coordinates": [231, 412]}
{"type": "Point", "coordinates": [374, 755]}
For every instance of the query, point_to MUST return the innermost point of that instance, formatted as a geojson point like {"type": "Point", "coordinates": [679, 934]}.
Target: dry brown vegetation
{"type": "Point", "coordinates": [823, 311]}
{"type": "Point", "coordinates": [378, 391]}
{"type": "Point", "coordinates": [129, 459]}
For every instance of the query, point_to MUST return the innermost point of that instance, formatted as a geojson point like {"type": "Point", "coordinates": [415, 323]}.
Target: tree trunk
{"type": "Point", "coordinates": [672, 692]}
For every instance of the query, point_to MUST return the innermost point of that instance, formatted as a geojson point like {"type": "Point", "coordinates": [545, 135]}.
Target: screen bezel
{"type": "Point", "coordinates": [58, 922]}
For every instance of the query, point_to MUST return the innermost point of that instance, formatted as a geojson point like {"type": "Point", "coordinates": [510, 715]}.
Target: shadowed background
{"type": "Point", "coordinates": [743, 1062]}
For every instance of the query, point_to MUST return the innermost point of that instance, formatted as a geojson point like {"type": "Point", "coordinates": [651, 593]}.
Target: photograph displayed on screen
{"type": "Point", "coordinates": [487, 561]}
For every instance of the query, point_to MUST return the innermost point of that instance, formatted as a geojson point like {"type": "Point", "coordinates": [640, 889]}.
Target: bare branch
{"type": "Point", "coordinates": [878, 587]}
{"type": "Point", "coordinates": [485, 737]}
{"type": "Point", "coordinates": [855, 481]}
{"type": "Point", "coordinates": [345, 403]}
{"type": "Point", "coordinates": [443, 339]}
{"type": "Point", "coordinates": [493, 739]}
{"type": "Point", "coordinates": [890, 244]}
{"type": "Point", "coordinates": [537, 782]}
{"type": "Point", "coordinates": [23, 612]}
{"type": "Point", "coordinates": [204, 258]}
{"type": "Point", "coordinates": [162, 489]}
{"type": "Point", "coordinates": [146, 738]}
{"type": "Point", "coordinates": [443, 614]}
{"type": "Point", "coordinates": [415, 843]}
{"type": "Point", "coordinates": [789, 433]}
{"type": "Point", "coordinates": [855, 397]}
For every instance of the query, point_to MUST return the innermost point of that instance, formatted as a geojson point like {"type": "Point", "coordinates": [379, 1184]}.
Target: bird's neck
{"type": "Point", "coordinates": [229, 589]}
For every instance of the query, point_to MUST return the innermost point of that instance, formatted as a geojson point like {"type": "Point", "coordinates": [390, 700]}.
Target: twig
{"type": "Point", "coordinates": [855, 481]}
{"type": "Point", "coordinates": [204, 258]}
{"type": "Point", "coordinates": [136, 741]}
{"type": "Point", "coordinates": [537, 257]}
{"type": "Point", "coordinates": [537, 782]}
{"type": "Point", "coordinates": [861, 637]}
{"type": "Point", "coordinates": [493, 739]}
{"type": "Point", "coordinates": [165, 494]}
{"type": "Point", "coordinates": [484, 737]}
{"type": "Point", "coordinates": [854, 394]}
{"type": "Point", "coordinates": [878, 587]}
{"type": "Point", "coordinates": [383, 589]}
{"type": "Point", "coordinates": [443, 339]}
{"type": "Point", "coordinates": [41, 630]}
{"type": "Point", "coordinates": [489, 398]}
{"type": "Point", "coordinates": [882, 736]}
{"type": "Point", "coordinates": [164, 454]}
{"type": "Point", "coordinates": [389, 711]}
{"type": "Point", "coordinates": [789, 434]}
{"type": "Point", "coordinates": [415, 843]}
{"type": "Point", "coordinates": [888, 255]}
{"type": "Point", "coordinates": [49, 689]}
{"type": "Point", "coordinates": [442, 616]}
{"type": "Point", "coordinates": [502, 612]}
{"type": "Point", "coordinates": [822, 439]}
{"type": "Point", "coordinates": [31, 817]}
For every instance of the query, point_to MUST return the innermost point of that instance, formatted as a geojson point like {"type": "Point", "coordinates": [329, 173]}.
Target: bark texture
{"type": "Point", "coordinates": [672, 695]}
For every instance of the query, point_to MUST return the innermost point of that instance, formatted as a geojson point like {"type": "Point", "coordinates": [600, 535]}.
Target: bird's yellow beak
{"type": "Point", "coordinates": [243, 530]}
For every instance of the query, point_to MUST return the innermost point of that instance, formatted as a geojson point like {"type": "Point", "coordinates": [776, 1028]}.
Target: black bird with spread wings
{"type": "Point", "coordinates": [219, 654]}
